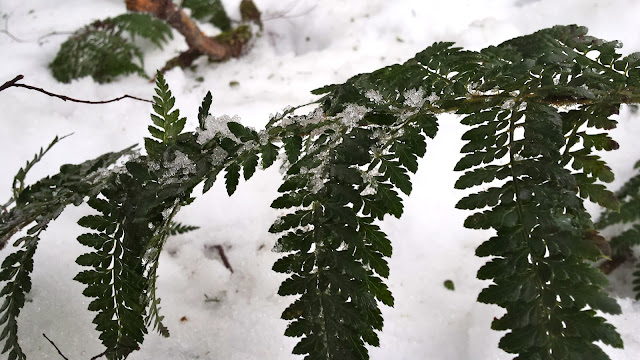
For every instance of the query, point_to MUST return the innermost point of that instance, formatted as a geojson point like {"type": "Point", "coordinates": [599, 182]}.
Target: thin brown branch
{"type": "Point", "coordinates": [14, 83]}
{"type": "Point", "coordinates": [223, 256]}
{"type": "Point", "coordinates": [174, 16]}
{"type": "Point", "coordinates": [219, 48]}
{"type": "Point", "coordinates": [54, 345]}
{"type": "Point", "coordinates": [99, 355]}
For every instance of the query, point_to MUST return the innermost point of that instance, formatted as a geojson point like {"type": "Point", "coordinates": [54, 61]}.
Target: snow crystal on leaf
{"type": "Point", "coordinates": [181, 165]}
{"type": "Point", "coordinates": [508, 104]}
{"type": "Point", "coordinates": [264, 137]}
{"type": "Point", "coordinates": [316, 117]}
{"type": "Point", "coordinates": [414, 98]}
{"type": "Point", "coordinates": [352, 114]}
{"type": "Point", "coordinates": [217, 156]}
{"type": "Point", "coordinates": [214, 125]}
{"type": "Point", "coordinates": [374, 95]}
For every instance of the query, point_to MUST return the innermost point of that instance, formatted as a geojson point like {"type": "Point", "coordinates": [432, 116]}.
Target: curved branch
{"type": "Point", "coordinates": [14, 83]}
{"type": "Point", "coordinates": [166, 10]}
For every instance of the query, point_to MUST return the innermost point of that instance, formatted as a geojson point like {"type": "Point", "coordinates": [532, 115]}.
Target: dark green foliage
{"type": "Point", "coordinates": [102, 51]}
{"type": "Point", "coordinates": [538, 108]}
{"type": "Point", "coordinates": [341, 177]}
{"type": "Point", "coordinates": [209, 10]}
{"type": "Point", "coordinates": [116, 279]}
{"type": "Point", "coordinates": [36, 206]}
{"type": "Point", "coordinates": [16, 271]}
{"type": "Point", "coordinates": [43, 201]}
{"type": "Point", "coordinates": [543, 231]}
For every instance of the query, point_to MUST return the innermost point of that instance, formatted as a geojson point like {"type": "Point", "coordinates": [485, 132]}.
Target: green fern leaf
{"type": "Point", "coordinates": [203, 110]}
{"type": "Point", "coordinates": [143, 25]}
{"type": "Point", "coordinates": [167, 124]}
{"type": "Point", "coordinates": [538, 269]}
{"type": "Point", "coordinates": [16, 271]}
{"type": "Point", "coordinates": [177, 228]}
{"type": "Point", "coordinates": [99, 51]}
{"type": "Point", "coordinates": [116, 274]}
{"type": "Point", "coordinates": [209, 10]}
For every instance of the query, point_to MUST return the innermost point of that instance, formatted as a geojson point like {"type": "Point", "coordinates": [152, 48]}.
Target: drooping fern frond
{"type": "Point", "coordinates": [16, 273]}
{"type": "Point", "coordinates": [116, 280]}
{"type": "Point", "coordinates": [209, 10]}
{"type": "Point", "coordinates": [346, 162]}
{"type": "Point", "coordinates": [36, 206]}
{"type": "Point", "coordinates": [521, 141]}
{"type": "Point", "coordinates": [100, 50]}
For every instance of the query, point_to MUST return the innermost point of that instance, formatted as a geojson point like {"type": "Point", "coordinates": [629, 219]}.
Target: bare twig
{"type": "Point", "coordinates": [53, 33]}
{"type": "Point", "coordinates": [14, 83]}
{"type": "Point", "coordinates": [223, 256]}
{"type": "Point", "coordinates": [54, 345]}
{"type": "Point", "coordinates": [6, 28]}
{"type": "Point", "coordinates": [99, 355]}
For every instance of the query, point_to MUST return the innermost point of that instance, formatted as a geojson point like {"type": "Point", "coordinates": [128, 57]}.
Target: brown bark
{"type": "Point", "coordinates": [166, 10]}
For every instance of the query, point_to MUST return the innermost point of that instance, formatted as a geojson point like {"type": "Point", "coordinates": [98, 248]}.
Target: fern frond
{"type": "Point", "coordinates": [167, 124]}
{"type": "Point", "coordinates": [543, 231]}
{"type": "Point", "coordinates": [143, 25]}
{"type": "Point", "coordinates": [43, 201]}
{"type": "Point", "coordinates": [97, 50]}
{"type": "Point", "coordinates": [116, 279]}
{"type": "Point", "coordinates": [16, 271]}
{"type": "Point", "coordinates": [209, 10]}
{"type": "Point", "coordinates": [346, 163]}
{"type": "Point", "coordinates": [37, 205]}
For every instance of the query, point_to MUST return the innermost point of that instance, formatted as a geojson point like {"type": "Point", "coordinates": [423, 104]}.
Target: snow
{"type": "Point", "coordinates": [306, 44]}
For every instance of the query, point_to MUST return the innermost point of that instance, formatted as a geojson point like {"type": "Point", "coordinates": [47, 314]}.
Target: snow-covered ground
{"type": "Point", "coordinates": [215, 314]}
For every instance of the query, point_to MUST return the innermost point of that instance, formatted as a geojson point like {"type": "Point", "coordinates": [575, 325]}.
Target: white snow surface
{"type": "Point", "coordinates": [306, 44]}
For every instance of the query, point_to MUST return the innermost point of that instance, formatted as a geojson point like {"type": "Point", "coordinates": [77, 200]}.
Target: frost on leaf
{"type": "Point", "coordinates": [374, 96]}
{"type": "Point", "coordinates": [352, 114]}
{"type": "Point", "coordinates": [181, 165]}
{"type": "Point", "coordinates": [216, 125]}
{"type": "Point", "coordinates": [217, 156]}
{"type": "Point", "coordinates": [414, 98]}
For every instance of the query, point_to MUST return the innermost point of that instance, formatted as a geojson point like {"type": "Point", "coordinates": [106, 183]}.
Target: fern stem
{"type": "Point", "coordinates": [512, 162]}
{"type": "Point", "coordinates": [535, 260]}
